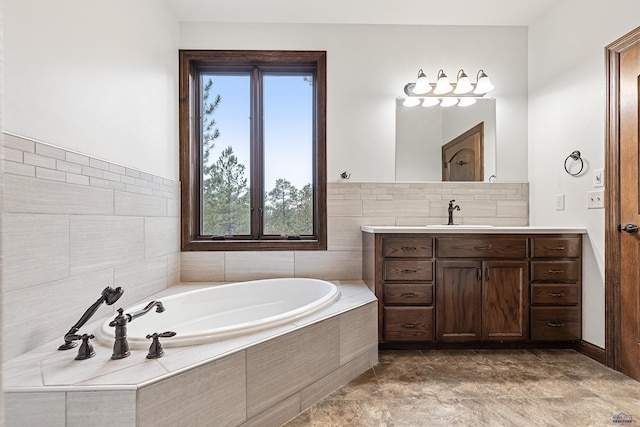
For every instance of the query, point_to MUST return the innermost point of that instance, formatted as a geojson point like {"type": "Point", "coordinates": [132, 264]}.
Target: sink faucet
{"type": "Point", "coordinates": [121, 345]}
{"type": "Point", "coordinates": [451, 209]}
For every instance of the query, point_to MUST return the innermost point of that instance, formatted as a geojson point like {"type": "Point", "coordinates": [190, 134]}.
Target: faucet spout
{"type": "Point", "coordinates": [145, 310]}
{"type": "Point", "coordinates": [450, 210]}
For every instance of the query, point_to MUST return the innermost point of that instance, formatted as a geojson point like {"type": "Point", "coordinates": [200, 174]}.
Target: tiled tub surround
{"type": "Point", "coordinates": [262, 379]}
{"type": "Point", "coordinates": [353, 204]}
{"type": "Point", "coordinates": [72, 225]}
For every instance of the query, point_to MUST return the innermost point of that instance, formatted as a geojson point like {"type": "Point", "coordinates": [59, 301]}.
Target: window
{"type": "Point", "coordinates": [252, 150]}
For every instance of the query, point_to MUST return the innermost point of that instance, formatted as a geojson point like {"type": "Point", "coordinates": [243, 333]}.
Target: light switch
{"type": "Point", "coordinates": [595, 199]}
{"type": "Point", "coordinates": [598, 178]}
{"type": "Point", "coordinates": [559, 202]}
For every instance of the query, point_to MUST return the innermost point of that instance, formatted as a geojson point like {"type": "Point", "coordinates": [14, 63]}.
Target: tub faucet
{"type": "Point", "coordinates": [121, 345]}
{"type": "Point", "coordinates": [451, 209]}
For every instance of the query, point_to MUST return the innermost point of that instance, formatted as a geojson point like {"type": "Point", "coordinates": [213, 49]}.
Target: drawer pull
{"type": "Point", "coordinates": [409, 248]}
{"type": "Point", "coordinates": [409, 325]}
{"type": "Point", "coordinates": [483, 248]}
{"type": "Point", "coordinates": [408, 271]}
{"type": "Point", "coordinates": [556, 271]}
{"type": "Point", "coordinates": [408, 295]}
{"type": "Point", "coordinates": [556, 294]}
{"type": "Point", "coordinates": [555, 248]}
{"type": "Point", "coordinates": [556, 325]}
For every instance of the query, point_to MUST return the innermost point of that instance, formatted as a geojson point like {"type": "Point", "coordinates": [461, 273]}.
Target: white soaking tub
{"type": "Point", "coordinates": [224, 311]}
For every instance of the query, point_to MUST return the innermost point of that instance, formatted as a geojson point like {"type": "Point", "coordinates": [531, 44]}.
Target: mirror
{"type": "Point", "coordinates": [422, 131]}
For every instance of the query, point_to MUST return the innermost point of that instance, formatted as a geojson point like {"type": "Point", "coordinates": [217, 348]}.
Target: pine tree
{"type": "Point", "coordinates": [280, 205]}
{"type": "Point", "coordinates": [226, 197]}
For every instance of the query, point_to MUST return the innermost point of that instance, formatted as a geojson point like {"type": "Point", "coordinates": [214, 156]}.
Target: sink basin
{"type": "Point", "coordinates": [459, 226]}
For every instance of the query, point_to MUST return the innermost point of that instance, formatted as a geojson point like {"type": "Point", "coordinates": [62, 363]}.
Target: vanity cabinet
{"type": "Point", "coordinates": [482, 289]}
{"type": "Point", "coordinates": [406, 289]}
{"type": "Point", "coordinates": [555, 288]}
{"type": "Point", "coordinates": [444, 288]}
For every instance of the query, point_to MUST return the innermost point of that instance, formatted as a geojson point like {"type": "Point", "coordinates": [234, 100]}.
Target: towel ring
{"type": "Point", "coordinates": [575, 156]}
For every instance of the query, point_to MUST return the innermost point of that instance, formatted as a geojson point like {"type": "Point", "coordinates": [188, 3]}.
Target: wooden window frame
{"type": "Point", "coordinates": [194, 62]}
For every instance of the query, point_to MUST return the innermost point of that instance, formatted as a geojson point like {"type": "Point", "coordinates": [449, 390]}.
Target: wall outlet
{"type": "Point", "coordinates": [559, 202]}
{"type": "Point", "coordinates": [598, 178]}
{"type": "Point", "coordinates": [595, 199]}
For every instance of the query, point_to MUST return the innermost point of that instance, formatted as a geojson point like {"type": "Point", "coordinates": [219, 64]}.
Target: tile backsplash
{"type": "Point", "coordinates": [72, 225]}
{"type": "Point", "coordinates": [353, 204]}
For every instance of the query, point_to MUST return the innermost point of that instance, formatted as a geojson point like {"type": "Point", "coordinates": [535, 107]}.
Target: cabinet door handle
{"type": "Point", "coordinates": [409, 248]}
{"type": "Point", "coordinates": [555, 248]}
{"type": "Point", "coordinates": [409, 325]}
{"type": "Point", "coordinates": [556, 271]}
{"type": "Point", "coordinates": [479, 274]}
{"type": "Point", "coordinates": [408, 271]}
{"type": "Point", "coordinates": [556, 325]}
{"type": "Point", "coordinates": [483, 248]}
{"type": "Point", "coordinates": [486, 274]}
{"type": "Point", "coordinates": [556, 294]}
{"type": "Point", "coordinates": [408, 295]}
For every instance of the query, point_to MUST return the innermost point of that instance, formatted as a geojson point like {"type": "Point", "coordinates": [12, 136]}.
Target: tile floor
{"type": "Point", "coordinates": [481, 388]}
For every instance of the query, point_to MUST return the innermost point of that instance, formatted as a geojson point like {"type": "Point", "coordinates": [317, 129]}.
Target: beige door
{"type": "Point", "coordinates": [622, 215]}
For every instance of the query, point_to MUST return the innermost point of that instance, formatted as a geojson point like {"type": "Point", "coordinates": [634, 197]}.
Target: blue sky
{"type": "Point", "coordinates": [287, 124]}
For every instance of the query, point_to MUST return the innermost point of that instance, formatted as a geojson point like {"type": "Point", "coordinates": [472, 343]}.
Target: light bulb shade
{"type": "Point", "coordinates": [463, 85]}
{"type": "Point", "coordinates": [422, 84]}
{"type": "Point", "coordinates": [484, 84]}
{"type": "Point", "coordinates": [430, 102]}
{"type": "Point", "coordinates": [442, 85]}
{"type": "Point", "coordinates": [448, 102]}
{"type": "Point", "coordinates": [465, 102]}
{"type": "Point", "coordinates": [411, 102]}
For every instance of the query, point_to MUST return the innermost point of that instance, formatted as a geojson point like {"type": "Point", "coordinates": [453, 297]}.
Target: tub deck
{"type": "Point", "coordinates": [265, 378]}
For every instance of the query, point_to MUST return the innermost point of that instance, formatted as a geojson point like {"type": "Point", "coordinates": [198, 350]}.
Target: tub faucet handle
{"type": "Point", "coordinates": [155, 350]}
{"type": "Point", "coordinates": [86, 349]}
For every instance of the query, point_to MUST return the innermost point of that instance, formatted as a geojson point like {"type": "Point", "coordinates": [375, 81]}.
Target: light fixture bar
{"type": "Point", "coordinates": [443, 88]}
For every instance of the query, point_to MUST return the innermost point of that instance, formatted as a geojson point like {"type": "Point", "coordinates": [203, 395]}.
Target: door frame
{"type": "Point", "coordinates": [612, 198]}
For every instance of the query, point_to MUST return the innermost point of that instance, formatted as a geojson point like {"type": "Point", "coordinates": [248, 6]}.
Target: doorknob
{"type": "Point", "coordinates": [629, 228]}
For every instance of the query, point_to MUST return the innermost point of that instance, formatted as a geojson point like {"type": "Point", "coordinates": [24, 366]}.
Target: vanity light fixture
{"type": "Point", "coordinates": [443, 88]}
{"type": "Point", "coordinates": [463, 85]}
{"type": "Point", "coordinates": [422, 84]}
{"type": "Point", "coordinates": [442, 85]}
{"type": "Point", "coordinates": [484, 84]}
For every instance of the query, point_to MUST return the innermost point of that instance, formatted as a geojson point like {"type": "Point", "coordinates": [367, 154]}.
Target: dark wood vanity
{"type": "Point", "coordinates": [447, 289]}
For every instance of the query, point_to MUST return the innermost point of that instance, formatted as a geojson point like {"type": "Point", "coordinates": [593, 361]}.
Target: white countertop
{"type": "Point", "coordinates": [470, 229]}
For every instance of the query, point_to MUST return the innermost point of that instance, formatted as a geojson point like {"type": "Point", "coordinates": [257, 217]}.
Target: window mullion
{"type": "Point", "coordinates": [257, 186]}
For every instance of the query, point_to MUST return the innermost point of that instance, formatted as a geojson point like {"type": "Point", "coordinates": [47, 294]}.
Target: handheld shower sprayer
{"type": "Point", "coordinates": [109, 296]}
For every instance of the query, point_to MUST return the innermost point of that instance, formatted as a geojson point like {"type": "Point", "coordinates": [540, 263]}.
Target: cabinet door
{"type": "Point", "coordinates": [505, 300]}
{"type": "Point", "coordinates": [458, 300]}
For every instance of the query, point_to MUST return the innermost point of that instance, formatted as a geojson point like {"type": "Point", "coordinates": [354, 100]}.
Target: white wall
{"type": "Point", "coordinates": [368, 65]}
{"type": "Point", "coordinates": [566, 113]}
{"type": "Point", "coordinates": [96, 77]}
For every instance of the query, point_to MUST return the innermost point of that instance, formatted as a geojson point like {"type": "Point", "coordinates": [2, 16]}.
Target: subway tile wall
{"type": "Point", "coordinates": [353, 204]}
{"type": "Point", "coordinates": [72, 225]}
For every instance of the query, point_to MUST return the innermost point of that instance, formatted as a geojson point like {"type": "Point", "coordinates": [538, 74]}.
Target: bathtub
{"type": "Point", "coordinates": [225, 311]}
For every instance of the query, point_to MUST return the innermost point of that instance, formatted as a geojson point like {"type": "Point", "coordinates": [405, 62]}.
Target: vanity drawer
{"type": "Point", "coordinates": [555, 323]}
{"type": "Point", "coordinates": [414, 270]}
{"type": "Point", "coordinates": [408, 323]}
{"type": "Point", "coordinates": [555, 247]}
{"type": "Point", "coordinates": [482, 247]}
{"type": "Point", "coordinates": [408, 294]}
{"type": "Point", "coordinates": [555, 293]}
{"type": "Point", "coordinates": [552, 271]}
{"type": "Point", "coordinates": [407, 247]}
